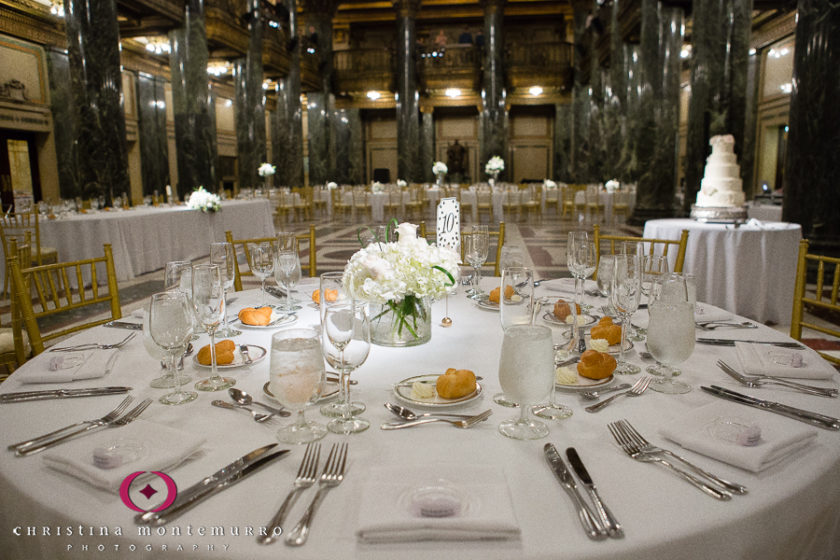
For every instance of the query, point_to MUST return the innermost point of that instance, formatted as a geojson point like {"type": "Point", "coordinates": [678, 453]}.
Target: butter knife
{"type": "Point", "coordinates": [124, 325]}
{"type": "Point", "coordinates": [609, 521]}
{"type": "Point", "coordinates": [25, 396]}
{"type": "Point", "coordinates": [729, 342]}
{"type": "Point", "coordinates": [806, 416]}
{"type": "Point", "coordinates": [591, 526]}
{"type": "Point", "coordinates": [243, 349]}
{"type": "Point", "coordinates": [223, 478]}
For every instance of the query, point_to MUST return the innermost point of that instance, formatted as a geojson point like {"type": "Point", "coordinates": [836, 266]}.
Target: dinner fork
{"type": "Point", "coordinates": [713, 325]}
{"type": "Point", "coordinates": [93, 345]}
{"type": "Point", "coordinates": [759, 380]}
{"type": "Point", "coordinates": [637, 389]}
{"type": "Point", "coordinates": [110, 417]}
{"type": "Point", "coordinates": [331, 477]}
{"type": "Point", "coordinates": [647, 447]}
{"type": "Point", "coordinates": [465, 423]}
{"type": "Point", "coordinates": [306, 476]}
{"type": "Point", "coordinates": [634, 451]}
{"type": "Point", "coordinates": [129, 417]}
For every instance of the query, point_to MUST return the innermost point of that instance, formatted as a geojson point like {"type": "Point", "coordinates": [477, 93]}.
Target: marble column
{"type": "Point", "coordinates": [615, 100]}
{"type": "Point", "coordinates": [720, 50]}
{"type": "Point", "coordinates": [812, 165]}
{"type": "Point", "coordinates": [632, 91]}
{"type": "Point", "coordinates": [580, 96]}
{"type": "Point", "coordinates": [595, 162]}
{"type": "Point", "coordinates": [93, 43]}
{"type": "Point", "coordinates": [493, 118]}
{"type": "Point", "coordinates": [349, 155]}
{"type": "Point", "coordinates": [318, 119]}
{"type": "Point", "coordinates": [751, 114]}
{"type": "Point", "coordinates": [154, 151]}
{"type": "Point", "coordinates": [249, 102]}
{"type": "Point", "coordinates": [192, 103]}
{"type": "Point", "coordinates": [563, 142]}
{"type": "Point", "coordinates": [64, 123]}
{"type": "Point", "coordinates": [409, 161]}
{"type": "Point", "coordinates": [287, 119]}
{"type": "Point", "coordinates": [427, 154]}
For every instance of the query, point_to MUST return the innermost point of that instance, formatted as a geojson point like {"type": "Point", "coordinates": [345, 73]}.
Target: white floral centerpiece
{"type": "Point", "coordinates": [548, 184]}
{"type": "Point", "coordinates": [377, 187]}
{"type": "Point", "coordinates": [612, 185]}
{"type": "Point", "coordinates": [439, 168]}
{"type": "Point", "coordinates": [205, 201]}
{"type": "Point", "coordinates": [332, 185]}
{"type": "Point", "coordinates": [495, 165]}
{"type": "Point", "coordinates": [399, 279]}
{"type": "Point", "coordinates": [401, 183]}
{"type": "Point", "coordinates": [266, 170]}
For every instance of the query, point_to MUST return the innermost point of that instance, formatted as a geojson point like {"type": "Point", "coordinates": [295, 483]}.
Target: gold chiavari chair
{"type": "Point", "coordinates": [499, 235]}
{"type": "Point", "coordinates": [339, 206]}
{"type": "Point", "coordinates": [8, 355]}
{"type": "Point", "coordinates": [531, 202]}
{"type": "Point", "coordinates": [308, 255]}
{"type": "Point", "coordinates": [826, 307]}
{"type": "Point", "coordinates": [16, 225]}
{"type": "Point", "coordinates": [651, 246]}
{"type": "Point", "coordinates": [552, 198]}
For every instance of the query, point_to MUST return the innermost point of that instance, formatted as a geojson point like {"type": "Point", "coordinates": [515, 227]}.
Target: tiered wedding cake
{"type": "Point", "coordinates": [721, 196]}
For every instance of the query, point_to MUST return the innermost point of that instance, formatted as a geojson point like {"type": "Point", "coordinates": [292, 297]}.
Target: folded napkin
{"type": "Point", "coordinates": [704, 312]}
{"type": "Point", "coordinates": [766, 359]}
{"type": "Point", "coordinates": [704, 430]}
{"type": "Point", "coordinates": [568, 285]}
{"type": "Point", "coordinates": [138, 446]}
{"type": "Point", "coordinates": [72, 366]}
{"type": "Point", "coordinates": [394, 497]}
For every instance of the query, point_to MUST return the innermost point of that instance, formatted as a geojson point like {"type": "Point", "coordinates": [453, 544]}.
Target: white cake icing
{"type": "Point", "coordinates": [721, 185]}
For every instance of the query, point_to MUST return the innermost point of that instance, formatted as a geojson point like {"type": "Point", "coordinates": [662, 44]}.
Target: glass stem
{"type": "Point", "coordinates": [625, 322]}
{"type": "Point", "coordinates": [173, 372]}
{"type": "Point", "coordinates": [263, 292]}
{"type": "Point", "coordinates": [523, 413]}
{"type": "Point", "coordinates": [224, 317]}
{"type": "Point", "coordinates": [301, 420]}
{"type": "Point", "coordinates": [477, 279]}
{"type": "Point", "coordinates": [214, 372]}
{"type": "Point", "coordinates": [578, 291]}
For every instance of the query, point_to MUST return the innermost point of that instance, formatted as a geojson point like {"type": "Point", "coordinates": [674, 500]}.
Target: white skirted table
{"type": "Point", "coordinates": [748, 270]}
{"type": "Point", "coordinates": [791, 510]}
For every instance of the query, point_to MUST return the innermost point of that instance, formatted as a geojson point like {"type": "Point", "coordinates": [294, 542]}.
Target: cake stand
{"type": "Point", "coordinates": [719, 214]}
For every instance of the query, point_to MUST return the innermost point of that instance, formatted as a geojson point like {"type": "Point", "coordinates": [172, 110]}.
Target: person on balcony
{"type": "Point", "coordinates": [465, 38]}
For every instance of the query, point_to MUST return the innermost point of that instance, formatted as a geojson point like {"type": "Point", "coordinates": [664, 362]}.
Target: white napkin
{"type": "Point", "coordinates": [72, 366]}
{"type": "Point", "coordinates": [155, 447]}
{"type": "Point", "coordinates": [387, 513]}
{"type": "Point", "coordinates": [780, 437]}
{"type": "Point", "coordinates": [705, 312]}
{"type": "Point", "coordinates": [567, 285]}
{"type": "Point", "coordinates": [766, 359]}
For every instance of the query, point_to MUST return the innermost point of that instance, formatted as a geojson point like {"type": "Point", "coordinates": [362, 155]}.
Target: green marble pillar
{"type": "Point", "coordinates": [64, 123]}
{"type": "Point", "coordinates": [318, 113]}
{"type": "Point", "coordinates": [409, 162]}
{"type": "Point", "coordinates": [615, 101]}
{"type": "Point", "coordinates": [632, 92]}
{"type": "Point", "coordinates": [563, 142]}
{"type": "Point", "coordinates": [427, 154]}
{"type": "Point", "coordinates": [751, 114]}
{"type": "Point", "coordinates": [348, 146]}
{"type": "Point", "coordinates": [154, 151]}
{"type": "Point", "coordinates": [493, 118]}
{"type": "Point", "coordinates": [812, 164]}
{"type": "Point", "coordinates": [720, 41]}
{"type": "Point", "coordinates": [580, 97]}
{"type": "Point", "coordinates": [249, 102]}
{"type": "Point", "coordinates": [192, 103]}
{"type": "Point", "coordinates": [319, 14]}
{"type": "Point", "coordinates": [287, 119]}
{"type": "Point", "coordinates": [93, 43]}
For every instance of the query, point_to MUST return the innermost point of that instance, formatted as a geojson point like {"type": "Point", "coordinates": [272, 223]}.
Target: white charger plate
{"type": "Point", "coordinates": [257, 354]}
{"type": "Point", "coordinates": [402, 390]}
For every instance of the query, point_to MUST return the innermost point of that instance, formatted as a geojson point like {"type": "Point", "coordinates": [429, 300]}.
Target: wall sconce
{"type": "Point", "coordinates": [452, 93]}
{"type": "Point", "coordinates": [535, 90]}
{"type": "Point", "coordinates": [373, 95]}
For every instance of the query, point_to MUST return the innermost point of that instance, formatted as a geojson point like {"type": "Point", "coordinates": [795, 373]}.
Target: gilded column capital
{"type": "Point", "coordinates": [323, 7]}
{"type": "Point", "coordinates": [493, 6]}
{"type": "Point", "coordinates": [406, 8]}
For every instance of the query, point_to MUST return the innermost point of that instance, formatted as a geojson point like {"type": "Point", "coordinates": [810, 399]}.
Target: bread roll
{"type": "Point", "coordinates": [456, 383]}
{"type": "Point", "coordinates": [224, 353]}
{"type": "Point", "coordinates": [596, 365]}
{"type": "Point", "coordinates": [258, 317]}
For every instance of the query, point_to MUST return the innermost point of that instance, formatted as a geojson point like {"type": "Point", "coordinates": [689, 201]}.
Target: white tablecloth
{"type": "Point", "coordinates": [146, 238]}
{"type": "Point", "coordinates": [791, 510]}
{"type": "Point", "coordinates": [746, 270]}
{"type": "Point", "coordinates": [765, 212]}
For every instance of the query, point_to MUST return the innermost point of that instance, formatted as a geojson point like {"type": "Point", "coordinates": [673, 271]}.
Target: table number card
{"type": "Point", "coordinates": [449, 224]}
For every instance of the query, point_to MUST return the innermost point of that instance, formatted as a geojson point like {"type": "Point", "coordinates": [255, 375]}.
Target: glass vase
{"type": "Point", "coordinates": [407, 322]}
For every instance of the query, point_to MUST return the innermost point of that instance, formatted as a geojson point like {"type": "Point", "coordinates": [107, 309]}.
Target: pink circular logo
{"type": "Point", "coordinates": [171, 491]}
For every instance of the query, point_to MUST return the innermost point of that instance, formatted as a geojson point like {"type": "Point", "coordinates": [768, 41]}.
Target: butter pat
{"type": "Point", "coordinates": [420, 390]}
{"type": "Point", "coordinates": [565, 376]}
{"type": "Point", "coordinates": [581, 320]}
{"type": "Point", "coordinates": [599, 344]}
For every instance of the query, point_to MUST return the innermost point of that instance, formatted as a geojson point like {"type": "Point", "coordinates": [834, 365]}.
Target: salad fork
{"type": "Point", "coordinates": [306, 476]}
{"type": "Point", "coordinates": [332, 476]}
{"type": "Point", "coordinates": [93, 345]}
{"type": "Point", "coordinates": [759, 380]}
{"type": "Point", "coordinates": [636, 390]}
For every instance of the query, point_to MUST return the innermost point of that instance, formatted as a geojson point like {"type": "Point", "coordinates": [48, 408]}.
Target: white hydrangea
{"type": "Point", "coordinates": [549, 184]}
{"type": "Point", "coordinates": [332, 185]}
{"type": "Point", "coordinates": [401, 184]}
{"type": "Point", "coordinates": [205, 201]}
{"type": "Point", "coordinates": [439, 168]}
{"type": "Point", "coordinates": [494, 165]}
{"type": "Point", "coordinates": [612, 185]}
{"type": "Point", "coordinates": [266, 170]}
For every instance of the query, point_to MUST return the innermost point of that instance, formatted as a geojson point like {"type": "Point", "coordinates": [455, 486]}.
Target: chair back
{"type": "Point", "coordinates": [651, 246]}
{"type": "Point", "coordinates": [500, 241]}
{"type": "Point", "coordinates": [57, 288]}
{"type": "Point", "coordinates": [818, 303]}
{"type": "Point", "coordinates": [240, 249]}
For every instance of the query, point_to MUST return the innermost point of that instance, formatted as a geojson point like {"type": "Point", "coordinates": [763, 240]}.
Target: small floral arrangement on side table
{"type": "Point", "coordinates": [495, 165]}
{"type": "Point", "coordinates": [612, 185]}
{"type": "Point", "coordinates": [266, 170]}
{"type": "Point", "coordinates": [401, 183]}
{"type": "Point", "coordinates": [439, 168]}
{"type": "Point", "coordinates": [332, 185]}
{"type": "Point", "coordinates": [548, 184]}
{"type": "Point", "coordinates": [377, 187]}
{"type": "Point", "coordinates": [205, 201]}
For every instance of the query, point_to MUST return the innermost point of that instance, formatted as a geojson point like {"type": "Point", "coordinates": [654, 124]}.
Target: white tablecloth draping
{"type": "Point", "coordinates": [747, 270]}
{"type": "Point", "coordinates": [765, 212]}
{"type": "Point", "coordinates": [790, 512]}
{"type": "Point", "coordinates": [144, 239]}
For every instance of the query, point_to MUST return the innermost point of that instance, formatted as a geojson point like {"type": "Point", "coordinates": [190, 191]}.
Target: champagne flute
{"type": "Point", "coordinates": [670, 338]}
{"type": "Point", "coordinates": [606, 264]}
{"type": "Point", "coordinates": [296, 379]}
{"type": "Point", "coordinates": [222, 254]}
{"type": "Point", "coordinates": [287, 274]}
{"type": "Point", "coordinates": [580, 258]}
{"type": "Point", "coordinates": [178, 276]}
{"type": "Point", "coordinates": [332, 293]}
{"type": "Point", "coordinates": [286, 241]}
{"type": "Point", "coordinates": [209, 306]}
{"type": "Point", "coordinates": [261, 261]}
{"type": "Point", "coordinates": [654, 268]}
{"type": "Point", "coordinates": [526, 374]}
{"type": "Point", "coordinates": [346, 342]}
{"type": "Point", "coordinates": [476, 246]}
{"type": "Point", "coordinates": [170, 327]}
{"type": "Point", "coordinates": [626, 291]}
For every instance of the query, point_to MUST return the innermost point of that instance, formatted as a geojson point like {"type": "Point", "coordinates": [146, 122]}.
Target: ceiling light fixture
{"type": "Point", "coordinates": [373, 95]}
{"type": "Point", "coordinates": [218, 68]}
{"type": "Point", "coordinates": [452, 93]}
{"type": "Point", "coordinates": [535, 90]}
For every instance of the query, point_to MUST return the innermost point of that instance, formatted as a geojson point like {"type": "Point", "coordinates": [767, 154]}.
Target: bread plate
{"type": "Point", "coordinates": [583, 383]}
{"type": "Point", "coordinates": [330, 390]}
{"type": "Point", "coordinates": [257, 354]}
{"type": "Point", "coordinates": [403, 392]}
{"type": "Point", "coordinates": [615, 349]}
{"type": "Point", "coordinates": [550, 318]}
{"type": "Point", "coordinates": [278, 319]}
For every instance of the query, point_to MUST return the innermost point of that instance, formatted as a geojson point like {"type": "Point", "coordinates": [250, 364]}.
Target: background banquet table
{"type": "Point", "coordinates": [146, 238]}
{"type": "Point", "coordinates": [748, 270]}
{"type": "Point", "coordinates": [791, 510]}
{"type": "Point", "coordinates": [764, 212]}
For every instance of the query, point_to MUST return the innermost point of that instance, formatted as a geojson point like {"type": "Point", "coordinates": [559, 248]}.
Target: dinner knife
{"type": "Point", "coordinates": [612, 525]}
{"type": "Point", "coordinates": [125, 325]}
{"type": "Point", "coordinates": [591, 526]}
{"type": "Point", "coordinates": [807, 416]}
{"type": "Point", "coordinates": [223, 478]}
{"type": "Point", "coordinates": [729, 342]}
{"type": "Point", "coordinates": [24, 396]}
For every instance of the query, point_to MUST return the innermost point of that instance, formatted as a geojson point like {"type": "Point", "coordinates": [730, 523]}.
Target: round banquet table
{"type": "Point", "coordinates": [791, 510]}
{"type": "Point", "coordinates": [747, 270]}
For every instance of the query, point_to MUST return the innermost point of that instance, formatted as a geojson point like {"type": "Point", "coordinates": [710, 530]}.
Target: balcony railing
{"type": "Point", "coordinates": [453, 66]}
{"type": "Point", "coordinates": [539, 63]}
{"type": "Point", "coordinates": [364, 69]}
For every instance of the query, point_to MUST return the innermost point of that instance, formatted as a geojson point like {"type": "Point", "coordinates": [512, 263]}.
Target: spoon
{"type": "Point", "coordinates": [407, 414]}
{"type": "Point", "coordinates": [592, 395]}
{"type": "Point", "coordinates": [257, 416]}
{"type": "Point", "coordinates": [243, 399]}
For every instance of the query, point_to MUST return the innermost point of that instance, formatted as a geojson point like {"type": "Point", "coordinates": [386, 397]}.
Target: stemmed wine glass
{"type": "Point", "coordinates": [167, 380]}
{"type": "Point", "coordinates": [296, 379]}
{"type": "Point", "coordinates": [476, 245]}
{"type": "Point", "coordinates": [606, 264]}
{"type": "Point", "coordinates": [261, 261]}
{"type": "Point", "coordinates": [670, 338]}
{"type": "Point", "coordinates": [526, 374]}
{"type": "Point", "coordinates": [209, 306]}
{"type": "Point", "coordinates": [178, 277]}
{"type": "Point", "coordinates": [287, 274]}
{"type": "Point", "coordinates": [222, 254]}
{"type": "Point", "coordinates": [346, 342]}
{"type": "Point", "coordinates": [626, 292]}
{"type": "Point", "coordinates": [655, 267]}
{"type": "Point", "coordinates": [580, 258]}
{"type": "Point", "coordinates": [170, 327]}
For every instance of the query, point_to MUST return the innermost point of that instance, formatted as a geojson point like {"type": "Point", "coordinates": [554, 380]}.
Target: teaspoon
{"type": "Point", "coordinates": [257, 416]}
{"type": "Point", "coordinates": [243, 399]}
{"type": "Point", "coordinates": [592, 395]}
{"type": "Point", "coordinates": [407, 414]}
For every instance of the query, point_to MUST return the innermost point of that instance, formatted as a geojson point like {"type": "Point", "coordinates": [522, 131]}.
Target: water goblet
{"type": "Point", "coordinates": [670, 338]}
{"type": "Point", "coordinates": [286, 241]}
{"type": "Point", "coordinates": [526, 374]}
{"type": "Point", "coordinates": [209, 307]}
{"type": "Point", "coordinates": [170, 327]}
{"type": "Point", "coordinates": [476, 246]}
{"type": "Point", "coordinates": [296, 379]}
{"type": "Point", "coordinates": [167, 380]}
{"type": "Point", "coordinates": [287, 274]}
{"type": "Point", "coordinates": [654, 267]}
{"type": "Point", "coordinates": [625, 295]}
{"type": "Point", "coordinates": [261, 261]}
{"type": "Point", "coordinates": [223, 255]}
{"type": "Point", "coordinates": [345, 335]}
{"type": "Point", "coordinates": [178, 276]}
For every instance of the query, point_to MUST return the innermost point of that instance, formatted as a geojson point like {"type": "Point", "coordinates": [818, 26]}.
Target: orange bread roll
{"type": "Point", "coordinates": [495, 293]}
{"type": "Point", "coordinates": [562, 309]}
{"type": "Point", "coordinates": [257, 317]}
{"type": "Point", "coordinates": [596, 365]}
{"type": "Point", "coordinates": [607, 330]}
{"type": "Point", "coordinates": [455, 383]}
{"type": "Point", "coordinates": [332, 295]}
{"type": "Point", "coordinates": [224, 353]}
